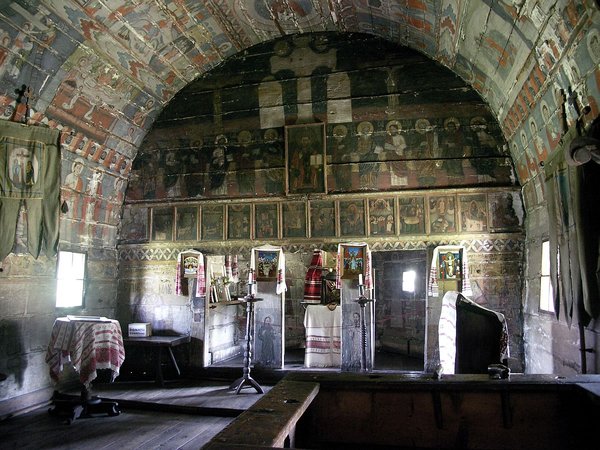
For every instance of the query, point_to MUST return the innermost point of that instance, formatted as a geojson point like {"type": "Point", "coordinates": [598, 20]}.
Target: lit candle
{"type": "Point", "coordinates": [360, 279]}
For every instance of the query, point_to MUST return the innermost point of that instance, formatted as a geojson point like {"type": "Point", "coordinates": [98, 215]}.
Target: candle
{"type": "Point", "coordinates": [360, 279]}
{"type": "Point", "coordinates": [250, 277]}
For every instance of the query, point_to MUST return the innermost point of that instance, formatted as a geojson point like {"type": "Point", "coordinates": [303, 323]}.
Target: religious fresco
{"type": "Point", "coordinates": [162, 224]}
{"type": "Point", "coordinates": [186, 223]}
{"type": "Point", "coordinates": [266, 221]}
{"type": "Point", "coordinates": [382, 217]}
{"type": "Point", "coordinates": [559, 42]}
{"type": "Point", "coordinates": [212, 222]}
{"type": "Point", "coordinates": [322, 218]}
{"type": "Point", "coordinates": [238, 221]}
{"type": "Point", "coordinates": [442, 214]}
{"type": "Point", "coordinates": [135, 224]}
{"type": "Point", "coordinates": [352, 217]}
{"type": "Point", "coordinates": [496, 211]}
{"type": "Point", "coordinates": [294, 219]}
{"type": "Point", "coordinates": [115, 72]}
{"type": "Point", "coordinates": [412, 215]}
{"type": "Point", "coordinates": [505, 211]}
{"type": "Point", "coordinates": [362, 149]}
{"type": "Point", "coordinates": [473, 212]}
{"type": "Point", "coordinates": [305, 158]}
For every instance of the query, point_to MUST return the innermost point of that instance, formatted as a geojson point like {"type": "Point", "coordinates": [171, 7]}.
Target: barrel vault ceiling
{"type": "Point", "coordinates": [128, 59]}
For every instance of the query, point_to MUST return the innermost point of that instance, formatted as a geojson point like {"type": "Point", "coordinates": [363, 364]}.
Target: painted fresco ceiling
{"type": "Point", "coordinates": [104, 69]}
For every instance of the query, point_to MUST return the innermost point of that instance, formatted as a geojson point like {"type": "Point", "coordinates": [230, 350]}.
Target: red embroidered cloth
{"type": "Point", "coordinates": [312, 281]}
{"type": "Point", "coordinates": [86, 344]}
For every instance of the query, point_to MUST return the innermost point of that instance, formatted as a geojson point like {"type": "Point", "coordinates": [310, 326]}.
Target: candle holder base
{"type": "Point", "coordinates": [245, 381]}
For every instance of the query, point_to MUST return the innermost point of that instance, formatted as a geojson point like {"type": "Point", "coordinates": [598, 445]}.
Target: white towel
{"type": "Point", "coordinates": [323, 336]}
{"type": "Point", "coordinates": [447, 332]}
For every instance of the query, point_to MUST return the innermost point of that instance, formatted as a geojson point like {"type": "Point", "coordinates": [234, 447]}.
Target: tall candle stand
{"type": "Point", "coordinates": [362, 301]}
{"type": "Point", "coordinates": [246, 380]}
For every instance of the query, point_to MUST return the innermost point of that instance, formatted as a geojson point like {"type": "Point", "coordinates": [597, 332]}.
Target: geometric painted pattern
{"type": "Point", "coordinates": [166, 252]}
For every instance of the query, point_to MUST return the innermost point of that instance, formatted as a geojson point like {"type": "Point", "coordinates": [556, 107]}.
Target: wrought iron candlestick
{"type": "Point", "coordinates": [362, 301]}
{"type": "Point", "coordinates": [246, 380]}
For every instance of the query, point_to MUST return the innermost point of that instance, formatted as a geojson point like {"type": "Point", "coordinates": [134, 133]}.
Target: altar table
{"type": "Point", "coordinates": [88, 344]}
{"type": "Point", "coordinates": [323, 328]}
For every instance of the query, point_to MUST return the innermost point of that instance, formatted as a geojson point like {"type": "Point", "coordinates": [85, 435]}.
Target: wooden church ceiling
{"type": "Point", "coordinates": [129, 58]}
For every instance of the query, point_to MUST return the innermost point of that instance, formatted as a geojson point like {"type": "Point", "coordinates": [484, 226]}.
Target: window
{"type": "Point", "coordinates": [408, 281]}
{"type": "Point", "coordinates": [546, 295]}
{"type": "Point", "coordinates": [70, 281]}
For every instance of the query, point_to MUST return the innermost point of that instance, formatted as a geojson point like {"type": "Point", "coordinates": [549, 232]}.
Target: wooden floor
{"type": "Point", "coordinates": [183, 414]}
{"type": "Point", "coordinates": [172, 417]}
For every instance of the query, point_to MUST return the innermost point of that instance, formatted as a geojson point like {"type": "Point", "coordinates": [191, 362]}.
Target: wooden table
{"type": "Point", "coordinates": [158, 343]}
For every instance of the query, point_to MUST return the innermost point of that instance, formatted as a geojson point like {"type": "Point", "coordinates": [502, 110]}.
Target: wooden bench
{"type": "Point", "coordinates": [271, 420]}
{"type": "Point", "coordinates": [158, 343]}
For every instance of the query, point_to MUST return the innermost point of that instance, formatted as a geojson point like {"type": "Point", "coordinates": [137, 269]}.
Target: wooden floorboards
{"type": "Point", "coordinates": [150, 418]}
{"type": "Point", "coordinates": [181, 415]}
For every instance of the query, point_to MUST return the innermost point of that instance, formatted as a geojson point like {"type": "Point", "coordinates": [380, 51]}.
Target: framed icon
{"type": "Point", "coordinates": [412, 215]}
{"type": "Point", "coordinates": [353, 261]}
{"type": "Point", "coordinates": [186, 223]}
{"type": "Point", "coordinates": [352, 217]}
{"type": "Point", "coordinates": [382, 217]}
{"type": "Point", "coordinates": [162, 224]}
{"type": "Point", "coordinates": [473, 212]}
{"type": "Point", "coordinates": [238, 221]}
{"type": "Point", "coordinates": [305, 158]}
{"type": "Point", "coordinates": [267, 262]}
{"type": "Point", "coordinates": [212, 222]}
{"type": "Point", "coordinates": [294, 219]}
{"type": "Point", "coordinates": [322, 218]}
{"type": "Point", "coordinates": [266, 221]}
{"type": "Point", "coordinates": [442, 218]}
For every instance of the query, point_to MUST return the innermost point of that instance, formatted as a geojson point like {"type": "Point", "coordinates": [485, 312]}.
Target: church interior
{"type": "Point", "coordinates": [370, 213]}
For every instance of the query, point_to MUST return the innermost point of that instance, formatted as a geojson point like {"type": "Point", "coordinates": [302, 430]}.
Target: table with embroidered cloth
{"type": "Point", "coordinates": [323, 327]}
{"type": "Point", "coordinates": [88, 344]}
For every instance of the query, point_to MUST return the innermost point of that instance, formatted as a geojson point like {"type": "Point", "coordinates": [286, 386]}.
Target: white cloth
{"type": "Point", "coordinates": [323, 336]}
{"type": "Point", "coordinates": [433, 287]}
{"type": "Point", "coordinates": [281, 286]}
{"type": "Point", "coordinates": [447, 332]}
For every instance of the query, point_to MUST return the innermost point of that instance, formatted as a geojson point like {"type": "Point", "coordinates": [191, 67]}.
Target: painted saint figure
{"type": "Point", "coordinates": [266, 335]}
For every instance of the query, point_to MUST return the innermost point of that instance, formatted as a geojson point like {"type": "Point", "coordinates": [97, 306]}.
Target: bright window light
{"type": "Point", "coordinates": [408, 281]}
{"type": "Point", "coordinates": [546, 293]}
{"type": "Point", "coordinates": [70, 279]}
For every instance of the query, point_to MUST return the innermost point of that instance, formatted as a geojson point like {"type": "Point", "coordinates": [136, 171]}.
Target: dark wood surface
{"type": "Point", "coordinates": [173, 417]}
{"type": "Point", "coordinates": [161, 341]}
{"type": "Point", "coordinates": [271, 419]}
{"type": "Point", "coordinates": [158, 343]}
